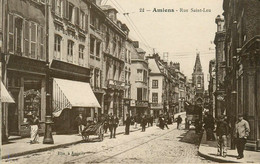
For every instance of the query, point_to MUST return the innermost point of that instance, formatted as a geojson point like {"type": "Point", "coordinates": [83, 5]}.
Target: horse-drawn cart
{"type": "Point", "coordinates": [93, 129]}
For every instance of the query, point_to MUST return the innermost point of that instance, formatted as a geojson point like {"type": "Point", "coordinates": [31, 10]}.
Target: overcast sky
{"type": "Point", "coordinates": [181, 34]}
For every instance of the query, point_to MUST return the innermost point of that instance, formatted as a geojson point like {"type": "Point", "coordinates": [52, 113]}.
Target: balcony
{"type": "Point", "coordinates": [114, 84]}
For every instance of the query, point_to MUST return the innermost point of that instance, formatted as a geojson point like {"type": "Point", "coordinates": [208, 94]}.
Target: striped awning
{"type": "Point", "coordinates": [68, 94]}
{"type": "Point", "coordinates": [5, 95]}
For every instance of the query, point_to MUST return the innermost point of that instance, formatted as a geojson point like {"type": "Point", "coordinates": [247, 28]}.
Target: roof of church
{"type": "Point", "coordinates": [197, 66]}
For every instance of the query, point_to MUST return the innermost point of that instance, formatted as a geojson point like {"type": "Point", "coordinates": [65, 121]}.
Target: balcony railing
{"type": "Point", "coordinates": [114, 84]}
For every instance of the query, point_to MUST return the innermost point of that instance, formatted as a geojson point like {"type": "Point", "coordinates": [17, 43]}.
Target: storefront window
{"type": "Point", "coordinates": [32, 97]}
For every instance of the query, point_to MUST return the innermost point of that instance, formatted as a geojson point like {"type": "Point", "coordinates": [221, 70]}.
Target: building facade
{"type": "Point", "coordinates": [220, 67]}
{"type": "Point", "coordinates": [139, 82]}
{"type": "Point", "coordinates": [212, 87]}
{"type": "Point", "coordinates": [243, 65]}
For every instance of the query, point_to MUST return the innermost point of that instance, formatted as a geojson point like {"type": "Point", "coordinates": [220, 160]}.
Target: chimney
{"type": "Point", "coordinates": [136, 44]}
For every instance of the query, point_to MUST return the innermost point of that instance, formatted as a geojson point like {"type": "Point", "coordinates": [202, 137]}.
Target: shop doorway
{"type": "Point", "coordinates": [13, 114]}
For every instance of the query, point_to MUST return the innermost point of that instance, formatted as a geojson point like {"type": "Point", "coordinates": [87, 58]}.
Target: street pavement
{"type": "Point", "coordinates": [152, 146]}
{"type": "Point", "coordinates": [208, 149]}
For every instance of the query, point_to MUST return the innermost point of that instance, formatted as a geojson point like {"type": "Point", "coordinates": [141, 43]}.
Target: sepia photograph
{"type": "Point", "coordinates": [129, 81]}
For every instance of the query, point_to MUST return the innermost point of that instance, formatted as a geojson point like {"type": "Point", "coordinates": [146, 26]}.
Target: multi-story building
{"type": "Point", "coordinates": [70, 48]}
{"type": "Point", "coordinates": [139, 82]}
{"type": "Point", "coordinates": [23, 43]}
{"type": "Point", "coordinates": [129, 50]}
{"type": "Point", "coordinates": [242, 65]}
{"type": "Point", "coordinates": [198, 81]}
{"type": "Point", "coordinates": [182, 90]}
{"type": "Point", "coordinates": [220, 67]}
{"type": "Point", "coordinates": [114, 35]}
{"type": "Point", "coordinates": [212, 86]}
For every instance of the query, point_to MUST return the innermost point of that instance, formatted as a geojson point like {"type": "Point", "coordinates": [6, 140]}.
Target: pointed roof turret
{"type": "Point", "coordinates": [197, 66]}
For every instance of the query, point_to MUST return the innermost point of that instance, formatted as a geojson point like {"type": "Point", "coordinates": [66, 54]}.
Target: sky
{"type": "Point", "coordinates": [181, 34]}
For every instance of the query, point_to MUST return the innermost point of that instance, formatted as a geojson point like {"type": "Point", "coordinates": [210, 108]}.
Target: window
{"type": "Point", "coordinates": [155, 97]}
{"type": "Point", "coordinates": [155, 84]}
{"type": "Point", "coordinates": [139, 94]}
{"type": "Point", "coordinates": [76, 15]}
{"type": "Point", "coordinates": [126, 51]}
{"type": "Point", "coordinates": [199, 81]}
{"type": "Point", "coordinates": [119, 49]}
{"type": "Point", "coordinates": [96, 78]}
{"type": "Point", "coordinates": [98, 49]}
{"type": "Point", "coordinates": [145, 78]}
{"type": "Point", "coordinates": [82, 20]}
{"type": "Point", "coordinates": [114, 45]}
{"type": "Point", "coordinates": [33, 40]}
{"type": "Point", "coordinates": [129, 56]}
{"type": "Point", "coordinates": [57, 47]}
{"type": "Point", "coordinates": [139, 75]}
{"type": "Point", "coordinates": [144, 94]}
{"type": "Point", "coordinates": [11, 33]}
{"type": "Point", "coordinates": [71, 6]}
{"type": "Point", "coordinates": [92, 20]}
{"type": "Point", "coordinates": [58, 7]}
{"type": "Point", "coordinates": [107, 40]}
{"type": "Point", "coordinates": [81, 52]}
{"type": "Point", "coordinates": [70, 48]}
{"type": "Point", "coordinates": [92, 45]}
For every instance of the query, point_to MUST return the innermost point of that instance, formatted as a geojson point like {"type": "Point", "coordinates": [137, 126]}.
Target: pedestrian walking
{"type": "Point", "coordinates": [127, 124]}
{"type": "Point", "coordinates": [143, 123]}
{"type": "Point", "coordinates": [165, 121]}
{"type": "Point", "coordinates": [79, 121]}
{"type": "Point", "coordinates": [135, 121]}
{"type": "Point", "coordinates": [106, 125]}
{"type": "Point", "coordinates": [110, 124]}
{"type": "Point", "coordinates": [222, 131]}
{"type": "Point", "coordinates": [161, 122]}
{"type": "Point", "coordinates": [34, 127]}
{"type": "Point", "coordinates": [115, 125]}
{"type": "Point", "coordinates": [242, 131]}
{"type": "Point", "coordinates": [179, 120]}
{"type": "Point", "coordinates": [209, 125]}
{"type": "Point", "coordinates": [151, 120]}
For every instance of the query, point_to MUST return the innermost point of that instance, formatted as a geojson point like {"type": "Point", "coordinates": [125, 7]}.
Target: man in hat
{"type": "Point", "coordinates": [79, 121]}
{"type": "Point", "coordinates": [242, 130]}
{"type": "Point", "coordinates": [222, 131]}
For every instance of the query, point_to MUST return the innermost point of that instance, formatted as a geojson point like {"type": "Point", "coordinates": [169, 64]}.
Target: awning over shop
{"type": "Point", "coordinates": [68, 94]}
{"type": "Point", "coordinates": [5, 96]}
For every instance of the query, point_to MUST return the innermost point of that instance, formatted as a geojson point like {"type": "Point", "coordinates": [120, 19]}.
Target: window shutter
{"type": "Point", "coordinates": [26, 37]}
{"type": "Point", "coordinates": [86, 22]}
{"type": "Point", "coordinates": [11, 33]}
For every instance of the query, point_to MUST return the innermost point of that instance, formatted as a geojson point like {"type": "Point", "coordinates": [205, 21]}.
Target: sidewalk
{"type": "Point", "coordinates": [22, 146]}
{"type": "Point", "coordinates": [208, 150]}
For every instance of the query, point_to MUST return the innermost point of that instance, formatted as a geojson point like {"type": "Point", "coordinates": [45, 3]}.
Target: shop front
{"type": "Point", "coordinates": [26, 83]}
{"type": "Point", "coordinates": [70, 98]}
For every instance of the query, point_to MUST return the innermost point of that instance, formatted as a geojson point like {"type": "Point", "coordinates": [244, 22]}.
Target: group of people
{"type": "Point", "coordinates": [240, 133]}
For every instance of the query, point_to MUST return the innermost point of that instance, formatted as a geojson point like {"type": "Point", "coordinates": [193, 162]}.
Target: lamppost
{"type": "Point", "coordinates": [48, 139]}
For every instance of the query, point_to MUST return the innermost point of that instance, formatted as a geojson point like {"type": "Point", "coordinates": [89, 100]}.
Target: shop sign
{"type": "Point", "coordinates": [127, 102]}
{"type": "Point", "coordinates": [32, 101]}
{"type": "Point", "coordinates": [141, 103]}
{"type": "Point", "coordinates": [132, 103]}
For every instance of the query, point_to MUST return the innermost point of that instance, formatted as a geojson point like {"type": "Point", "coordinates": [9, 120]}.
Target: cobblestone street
{"type": "Point", "coordinates": [153, 146]}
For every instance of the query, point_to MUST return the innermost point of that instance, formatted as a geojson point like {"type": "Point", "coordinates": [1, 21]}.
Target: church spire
{"type": "Point", "coordinates": [197, 66]}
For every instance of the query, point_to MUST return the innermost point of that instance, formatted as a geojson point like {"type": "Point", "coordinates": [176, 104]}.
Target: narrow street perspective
{"type": "Point", "coordinates": [130, 81]}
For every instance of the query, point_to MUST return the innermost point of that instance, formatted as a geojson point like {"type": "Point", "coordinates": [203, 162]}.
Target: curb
{"type": "Point", "coordinates": [53, 147]}
{"type": "Point", "coordinates": [215, 159]}
{"type": "Point", "coordinates": [212, 158]}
